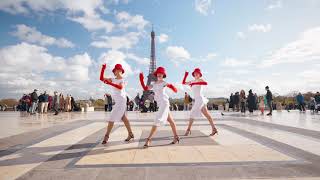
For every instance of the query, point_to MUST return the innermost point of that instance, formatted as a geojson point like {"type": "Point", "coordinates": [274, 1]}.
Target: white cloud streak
{"type": "Point", "coordinates": [32, 35]}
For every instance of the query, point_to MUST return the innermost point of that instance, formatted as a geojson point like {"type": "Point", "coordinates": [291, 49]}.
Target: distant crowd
{"type": "Point", "coordinates": [139, 103]}
{"type": "Point", "coordinates": [33, 103]}
{"type": "Point", "coordinates": [239, 102]}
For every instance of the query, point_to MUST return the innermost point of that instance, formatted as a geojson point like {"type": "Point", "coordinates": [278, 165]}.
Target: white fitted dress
{"type": "Point", "coordinates": [163, 103]}
{"type": "Point", "coordinates": [120, 99]}
{"type": "Point", "coordinates": [199, 101]}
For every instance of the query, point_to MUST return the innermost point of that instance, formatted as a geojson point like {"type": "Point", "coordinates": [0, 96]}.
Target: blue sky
{"type": "Point", "coordinates": [60, 45]}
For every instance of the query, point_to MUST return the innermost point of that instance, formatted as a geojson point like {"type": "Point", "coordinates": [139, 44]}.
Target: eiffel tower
{"type": "Point", "coordinates": [152, 67]}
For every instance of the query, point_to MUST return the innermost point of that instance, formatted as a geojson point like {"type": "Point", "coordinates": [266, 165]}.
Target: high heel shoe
{"type": "Point", "coordinates": [188, 132]}
{"type": "Point", "coordinates": [176, 140]}
{"type": "Point", "coordinates": [147, 144]}
{"type": "Point", "coordinates": [105, 139]}
{"type": "Point", "coordinates": [130, 136]}
{"type": "Point", "coordinates": [215, 131]}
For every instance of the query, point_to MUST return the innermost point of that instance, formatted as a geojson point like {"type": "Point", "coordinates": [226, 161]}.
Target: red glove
{"type": "Point", "coordinates": [174, 89]}
{"type": "Point", "coordinates": [199, 83]}
{"type": "Point", "coordinates": [118, 86]}
{"type": "Point", "coordinates": [142, 82]}
{"type": "Point", "coordinates": [102, 72]}
{"type": "Point", "coordinates": [185, 77]}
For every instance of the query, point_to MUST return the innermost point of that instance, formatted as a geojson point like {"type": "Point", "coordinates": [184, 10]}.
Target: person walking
{"type": "Point", "coordinates": [41, 103]}
{"type": "Point", "coordinates": [74, 106]}
{"type": "Point", "coordinates": [34, 100]}
{"type": "Point", "coordinates": [45, 102]}
{"type": "Point", "coordinates": [120, 96]}
{"type": "Point", "coordinates": [199, 107]}
{"type": "Point", "coordinates": [251, 102]}
{"type": "Point", "coordinates": [236, 100]}
{"type": "Point", "coordinates": [61, 105]}
{"type": "Point", "coordinates": [300, 101]}
{"type": "Point", "coordinates": [67, 103]}
{"type": "Point", "coordinates": [186, 101]}
{"type": "Point", "coordinates": [163, 115]}
{"type": "Point", "coordinates": [106, 102]}
{"type": "Point", "coordinates": [269, 100]}
{"type": "Point", "coordinates": [243, 101]}
{"type": "Point", "coordinates": [56, 103]}
{"type": "Point", "coordinates": [110, 102]}
{"type": "Point", "coordinates": [231, 102]}
{"type": "Point", "coordinates": [261, 105]}
{"type": "Point", "coordinates": [137, 101]}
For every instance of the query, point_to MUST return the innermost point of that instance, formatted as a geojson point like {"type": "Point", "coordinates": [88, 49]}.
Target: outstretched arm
{"type": "Point", "coordinates": [199, 83]}
{"type": "Point", "coordinates": [141, 77]}
{"type": "Point", "coordinates": [118, 86]}
{"type": "Point", "coordinates": [172, 87]}
{"type": "Point", "coordinates": [103, 68]}
{"type": "Point", "coordinates": [185, 78]}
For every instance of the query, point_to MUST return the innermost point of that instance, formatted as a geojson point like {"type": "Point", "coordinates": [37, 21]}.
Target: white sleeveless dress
{"type": "Point", "coordinates": [120, 99]}
{"type": "Point", "coordinates": [163, 103]}
{"type": "Point", "coordinates": [199, 101]}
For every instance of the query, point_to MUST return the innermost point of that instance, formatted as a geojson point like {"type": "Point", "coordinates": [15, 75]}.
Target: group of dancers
{"type": "Point", "coordinates": [163, 115]}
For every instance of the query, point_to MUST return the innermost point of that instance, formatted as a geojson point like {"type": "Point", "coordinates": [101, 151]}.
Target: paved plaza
{"type": "Point", "coordinates": [68, 146]}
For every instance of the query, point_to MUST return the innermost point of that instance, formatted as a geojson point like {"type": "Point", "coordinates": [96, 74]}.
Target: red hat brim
{"type": "Point", "coordinates": [158, 72]}
{"type": "Point", "coordinates": [114, 69]}
{"type": "Point", "coordinates": [197, 72]}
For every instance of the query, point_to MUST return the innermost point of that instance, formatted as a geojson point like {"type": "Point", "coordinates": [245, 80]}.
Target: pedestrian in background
{"type": "Point", "coordinates": [269, 100]}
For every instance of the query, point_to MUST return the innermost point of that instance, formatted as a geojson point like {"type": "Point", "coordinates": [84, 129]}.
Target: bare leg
{"type": "Point", "coordinates": [173, 125]}
{"type": "Point", "coordinates": [174, 129]}
{"type": "Point", "coordinates": [188, 131]}
{"type": "Point", "coordinates": [106, 136]}
{"type": "Point", "coordinates": [205, 112]}
{"type": "Point", "coordinates": [153, 130]}
{"type": "Point", "coordinates": [127, 123]}
{"type": "Point", "coordinates": [128, 126]}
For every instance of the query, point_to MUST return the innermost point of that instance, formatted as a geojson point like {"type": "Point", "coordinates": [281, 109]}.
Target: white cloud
{"type": "Point", "coordinates": [31, 35]}
{"type": "Point", "coordinates": [260, 28]}
{"type": "Point", "coordinates": [85, 12]}
{"type": "Point", "coordinates": [208, 57]}
{"type": "Point", "coordinates": [25, 66]}
{"type": "Point", "coordinates": [305, 48]}
{"type": "Point", "coordinates": [93, 23]}
{"type": "Point", "coordinates": [211, 56]}
{"type": "Point", "coordinates": [139, 60]}
{"type": "Point", "coordinates": [232, 62]}
{"type": "Point", "coordinates": [113, 57]}
{"type": "Point", "coordinates": [203, 6]}
{"type": "Point", "coordinates": [241, 35]}
{"type": "Point", "coordinates": [87, 7]}
{"type": "Point", "coordinates": [120, 1]}
{"type": "Point", "coordinates": [126, 41]}
{"type": "Point", "coordinates": [275, 5]}
{"type": "Point", "coordinates": [264, 28]}
{"type": "Point", "coordinates": [127, 21]}
{"type": "Point", "coordinates": [177, 53]}
{"type": "Point", "coordinates": [310, 75]}
{"type": "Point", "coordinates": [162, 38]}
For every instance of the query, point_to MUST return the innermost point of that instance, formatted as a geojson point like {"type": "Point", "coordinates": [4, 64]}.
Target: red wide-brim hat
{"type": "Point", "coordinates": [118, 67]}
{"type": "Point", "coordinates": [197, 70]}
{"type": "Point", "coordinates": [160, 70]}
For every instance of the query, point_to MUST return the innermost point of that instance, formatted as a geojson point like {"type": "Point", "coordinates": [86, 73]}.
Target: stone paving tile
{"type": "Point", "coordinates": [242, 150]}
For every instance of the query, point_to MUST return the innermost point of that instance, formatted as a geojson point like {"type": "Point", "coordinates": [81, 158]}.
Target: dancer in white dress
{"type": "Point", "coordinates": [163, 114]}
{"type": "Point", "coordinates": [118, 112]}
{"type": "Point", "coordinates": [199, 107]}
